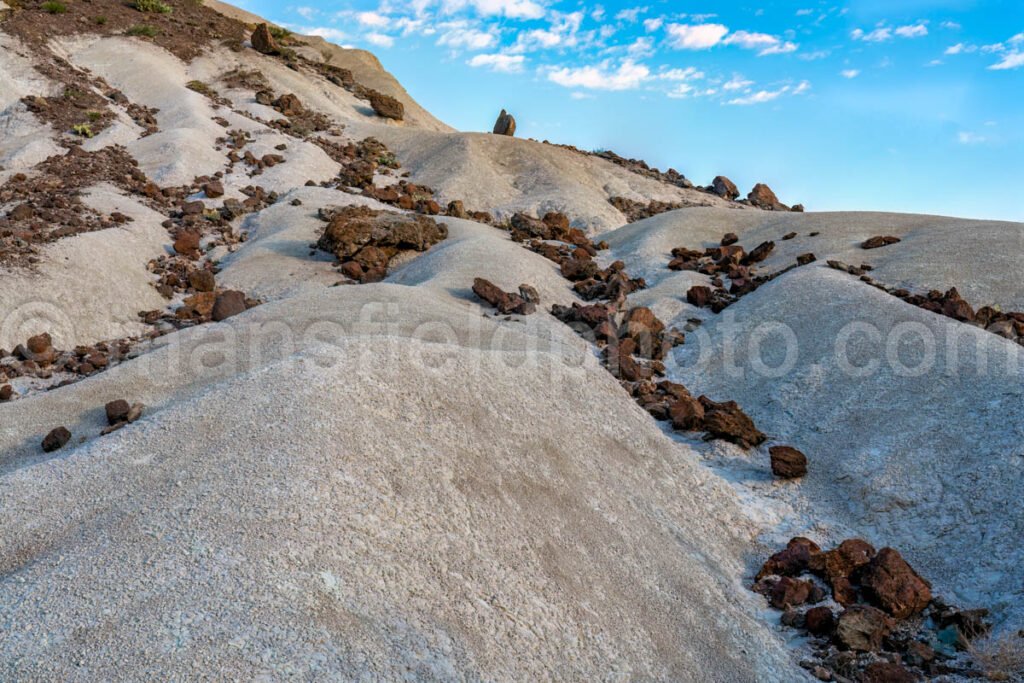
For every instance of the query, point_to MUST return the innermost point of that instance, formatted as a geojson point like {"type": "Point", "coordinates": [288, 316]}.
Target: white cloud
{"type": "Point", "coordinates": [598, 13]}
{"type": "Point", "coordinates": [969, 138]}
{"type": "Point", "coordinates": [513, 9]}
{"type": "Point", "coordinates": [816, 55]}
{"type": "Point", "coordinates": [680, 91]}
{"type": "Point", "coordinates": [751, 41]}
{"type": "Point", "coordinates": [913, 31]}
{"type": "Point", "coordinates": [499, 62]}
{"type": "Point", "coordinates": [950, 25]}
{"type": "Point", "coordinates": [629, 75]}
{"type": "Point", "coordinates": [960, 48]}
{"type": "Point", "coordinates": [562, 32]}
{"type": "Point", "coordinates": [804, 86]}
{"type": "Point", "coordinates": [581, 96]}
{"type": "Point", "coordinates": [696, 36]}
{"type": "Point", "coordinates": [652, 25]}
{"type": "Point", "coordinates": [325, 32]}
{"type": "Point", "coordinates": [1019, 38]}
{"type": "Point", "coordinates": [1011, 60]}
{"type": "Point", "coordinates": [804, 12]}
{"type": "Point", "coordinates": [688, 74]}
{"type": "Point", "coordinates": [630, 15]}
{"type": "Point", "coordinates": [879, 35]}
{"type": "Point", "coordinates": [641, 47]}
{"type": "Point", "coordinates": [850, 73]}
{"type": "Point", "coordinates": [760, 97]}
{"type": "Point", "coordinates": [737, 82]}
{"type": "Point", "coordinates": [379, 39]}
{"type": "Point", "coordinates": [778, 49]}
{"type": "Point", "coordinates": [935, 62]}
{"type": "Point", "coordinates": [468, 38]}
{"type": "Point", "coordinates": [374, 19]}
{"type": "Point", "coordinates": [306, 13]}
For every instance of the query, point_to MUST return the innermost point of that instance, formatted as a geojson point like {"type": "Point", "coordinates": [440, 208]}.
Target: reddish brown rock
{"type": "Point", "coordinates": [386, 106]}
{"type": "Point", "coordinates": [879, 241]}
{"type": "Point", "coordinates": [760, 253]}
{"type": "Point", "coordinates": [804, 259]}
{"type": "Point", "coordinates": [890, 583]}
{"type": "Point", "coordinates": [202, 280]}
{"type": "Point", "coordinates": [727, 421]}
{"type": "Point", "coordinates": [842, 561]}
{"type": "Point", "coordinates": [187, 243]}
{"type": "Point", "coordinates": [456, 209]}
{"type": "Point", "coordinates": [789, 592]}
{"type": "Point", "coordinates": [6, 393]}
{"type": "Point", "coordinates": [505, 302]}
{"type": "Point", "coordinates": [699, 296]}
{"type": "Point", "coordinates": [763, 198]}
{"type": "Point", "coordinates": [724, 187]}
{"type": "Point", "coordinates": [820, 621]}
{"type": "Point", "coordinates": [263, 42]}
{"type": "Point", "coordinates": [686, 413]}
{"type": "Point", "coordinates": [787, 462]}
{"type": "Point", "coordinates": [862, 628]}
{"type": "Point", "coordinates": [56, 439]}
{"type": "Point", "coordinates": [730, 238]}
{"type": "Point", "coordinates": [213, 189]}
{"type": "Point", "coordinates": [117, 411]}
{"type": "Point", "coordinates": [794, 560]}
{"type": "Point", "coordinates": [505, 125]}
{"type": "Point", "coordinates": [228, 304]}
{"type": "Point", "coordinates": [888, 672]}
{"type": "Point", "coordinates": [289, 105]}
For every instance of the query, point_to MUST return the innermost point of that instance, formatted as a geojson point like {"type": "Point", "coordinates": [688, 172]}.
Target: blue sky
{"type": "Point", "coordinates": [904, 105]}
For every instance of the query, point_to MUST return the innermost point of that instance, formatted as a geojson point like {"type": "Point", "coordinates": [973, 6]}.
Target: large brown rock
{"type": "Point", "coordinates": [505, 302]}
{"type": "Point", "coordinates": [56, 439]}
{"type": "Point", "coordinates": [354, 228]}
{"type": "Point", "coordinates": [788, 462]}
{"type": "Point", "coordinates": [686, 413]}
{"type": "Point", "coordinates": [880, 241]}
{"type": "Point", "coordinates": [889, 582]}
{"type": "Point", "coordinates": [505, 125]}
{"type": "Point", "coordinates": [227, 304]}
{"type": "Point", "coordinates": [820, 621]}
{"type": "Point", "coordinates": [386, 105]}
{"type": "Point", "coordinates": [837, 565]}
{"type": "Point", "coordinates": [728, 422]}
{"type": "Point", "coordinates": [790, 592]}
{"type": "Point", "coordinates": [862, 628]}
{"type": "Point", "coordinates": [724, 187]}
{"type": "Point", "coordinates": [793, 560]}
{"type": "Point", "coordinates": [117, 411]}
{"type": "Point", "coordinates": [263, 41]}
{"type": "Point", "coordinates": [888, 672]}
{"type": "Point", "coordinates": [763, 198]}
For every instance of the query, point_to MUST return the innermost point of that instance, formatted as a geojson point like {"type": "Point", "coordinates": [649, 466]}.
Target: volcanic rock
{"type": "Point", "coordinates": [789, 592]}
{"type": "Point", "coordinates": [880, 241]}
{"type": "Point", "coordinates": [724, 187]}
{"type": "Point", "coordinates": [888, 672]}
{"type": "Point", "coordinates": [263, 42]}
{"type": "Point", "coordinates": [730, 237]}
{"type": "Point", "coordinates": [213, 189]}
{"type": "Point", "coordinates": [202, 280]}
{"type": "Point", "coordinates": [686, 413]}
{"type": "Point", "coordinates": [889, 582]}
{"type": "Point", "coordinates": [820, 621]}
{"type": "Point", "coordinates": [788, 462]}
{"type": "Point", "coordinates": [862, 628]}
{"type": "Point", "coordinates": [386, 105]}
{"type": "Point", "coordinates": [763, 198]}
{"type": "Point", "coordinates": [794, 560]}
{"type": "Point", "coordinates": [56, 439]}
{"type": "Point", "coordinates": [505, 302]}
{"type": "Point", "coordinates": [117, 411]}
{"type": "Point", "coordinates": [727, 421]}
{"type": "Point", "coordinates": [505, 125]}
{"type": "Point", "coordinates": [227, 304]}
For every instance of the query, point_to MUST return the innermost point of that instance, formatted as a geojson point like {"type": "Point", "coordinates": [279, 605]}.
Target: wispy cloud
{"type": "Point", "coordinates": [968, 138]}
{"type": "Point", "coordinates": [765, 43]}
{"type": "Point", "coordinates": [883, 34]}
{"type": "Point", "coordinates": [627, 76]}
{"type": "Point", "coordinates": [763, 96]}
{"type": "Point", "coordinates": [1011, 60]}
{"type": "Point", "coordinates": [850, 73]}
{"type": "Point", "coordinates": [499, 62]}
{"type": "Point", "coordinates": [696, 36]}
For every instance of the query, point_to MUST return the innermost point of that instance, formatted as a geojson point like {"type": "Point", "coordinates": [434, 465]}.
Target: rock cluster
{"type": "Point", "coordinates": [763, 198]}
{"type": "Point", "coordinates": [879, 241]}
{"type": "Point", "coordinates": [386, 106]}
{"type": "Point", "coordinates": [364, 240]}
{"type": "Point", "coordinates": [728, 260]}
{"type": "Point", "coordinates": [120, 413]}
{"type": "Point", "coordinates": [888, 626]}
{"type": "Point", "coordinates": [637, 211]}
{"type": "Point", "coordinates": [523, 303]}
{"type": "Point", "coordinates": [1009, 324]}
{"type": "Point", "coordinates": [37, 358]}
{"type": "Point", "coordinates": [725, 188]}
{"type": "Point", "coordinates": [505, 125]}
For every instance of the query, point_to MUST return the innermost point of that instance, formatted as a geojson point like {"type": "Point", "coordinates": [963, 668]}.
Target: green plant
{"type": "Point", "coordinates": [154, 6]}
{"type": "Point", "coordinates": [279, 33]}
{"type": "Point", "coordinates": [199, 87]}
{"type": "Point", "coordinates": [144, 30]}
{"type": "Point", "coordinates": [54, 7]}
{"type": "Point", "coordinates": [100, 20]}
{"type": "Point", "coordinates": [93, 115]}
{"type": "Point", "coordinates": [83, 129]}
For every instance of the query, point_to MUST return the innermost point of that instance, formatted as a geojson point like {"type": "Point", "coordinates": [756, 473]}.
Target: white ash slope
{"type": "Point", "coordinates": [928, 460]}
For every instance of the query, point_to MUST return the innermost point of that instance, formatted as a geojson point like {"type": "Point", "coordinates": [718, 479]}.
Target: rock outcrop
{"type": "Point", "coordinates": [505, 125]}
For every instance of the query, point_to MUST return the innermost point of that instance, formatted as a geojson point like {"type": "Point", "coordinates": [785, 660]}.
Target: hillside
{"type": "Point", "coordinates": [336, 461]}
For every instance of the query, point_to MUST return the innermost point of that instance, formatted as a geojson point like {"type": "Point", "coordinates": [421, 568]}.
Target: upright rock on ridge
{"type": "Point", "coordinates": [724, 187]}
{"type": "Point", "coordinates": [505, 125]}
{"type": "Point", "coordinates": [763, 198]}
{"type": "Point", "coordinates": [263, 41]}
{"type": "Point", "coordinates": [386, 105]}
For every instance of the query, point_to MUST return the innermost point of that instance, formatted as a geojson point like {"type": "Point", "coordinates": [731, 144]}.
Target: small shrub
{"type": "Point", "coordinates": [144, 30]}
{"type": "Point", "coordinates": [100, 21]}
{"type": "Point", "coordinates": [279, 34]}
{"type": "Point", "coordinates": [83, 129]}
{"type": "Point", "coordinates": [154, 6]}
{"type": "Point", "coordinates": [1000, 658]}
{"type": "Point", "coordinates": [54, 7]}
{"type": "Point", "coordinates": [199, 87]}
{"type": "Point", "coordinates": [93, 115]}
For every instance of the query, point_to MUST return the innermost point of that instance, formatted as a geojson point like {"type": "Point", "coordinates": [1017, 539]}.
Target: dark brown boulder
{"type": "Point", "coordinates": [730, 238]}
{"type": "Point", "coordinates": [505, 302]}
{"type": "Point", "coordinates": [794, 560]}
{"type": "Point", "coordinates": [790, 592]}
{"type": "Point", "coordinates": [804, 259]}
{"type": "Point", "coordinates": [760, 253]}
{"type": "Point", "coordinates": [456, 209]}
{"type": "Point", "coordinates": [213, 189]}
{"type": "Point", "coordinates": [686, 413]}
{"type": "Point", "coordinates": [888, 672]}
{"type": "Point", "coordinates": [263, 41]}
{"type": "Point", "coordinates": [202, 280]}
{"type": "Point", "coordinates": [227, 304]}
{"type": "Point", "coordinates": [699, 296]}
{"type": "Point", "coordinates": [890, 583]}
{"type": "Point", "coordinates": [289, 105]}
{"type": "Point", "coordinates": [187, 243]}
{"type": "Point", "coordinates": [117, 411]}
{"type": "Point", "coordinates": [56, 439]}
{"type": "Point", "coordinates": [837, 565]}
{"type": "Point", "coordinates": [724, 187]}
{"type": "Point", "coordinates": [820, 621]}
{"type": "Point", "coordinates": [727, 421]}
{"type": "Point", "coordinates": [880, 241]}
{"type": "Point", "coordinates": [6, 393]}
{"type": "Point", "coordinates": [386, 105]}
{"type": "Point", "coordinates": [38, 349]}
{"type": "Point", "coordinates": [862, 628]}
{"type": "Point", "coordinates": [505, 125]}
{"type": "Point", "coordinates": [763, 198]}
{"type": "Point", "coordinates": [788, 462]}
